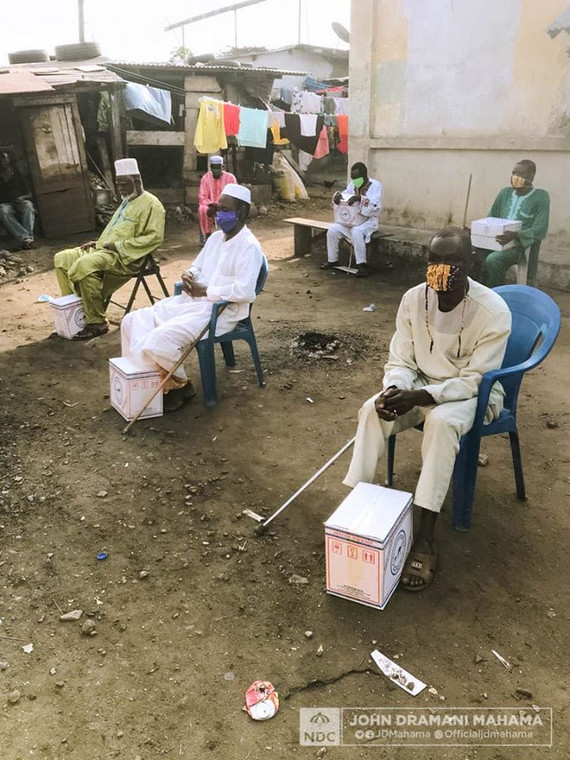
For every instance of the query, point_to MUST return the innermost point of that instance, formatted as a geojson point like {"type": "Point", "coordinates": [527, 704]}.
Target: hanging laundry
{"type": "Point", "coordinates": [148, 101]}
{"type": "Point", "coordinates": [231, 119]}
{"type": "Point", "coordinates": [306, 102]}
{"type": "Point", "coordinates": [308, 122]}
{"type": "Point", "coordinates": [252, 128]}
{"type": "Point", "coordinates": [329, 106]}
{"type": "Point", "coordinates": [210, 132]}
{"type": "Point", "coordinates": [343, 133]}
{"type": "Point", "coordinates": [262, 155]}
{"type": "Point", "coordinates": [293, 130]}
{"type": "Point", "coordinates": [304, 160]}
{"type": "Point", "coordinates": [341, 105]}
{"type": "Point", "coordinates": [276, 132]}
{"type": "Point", "coordinates": [323, 144]}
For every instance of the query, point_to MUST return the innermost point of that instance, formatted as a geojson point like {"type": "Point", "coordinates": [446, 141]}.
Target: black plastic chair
{"type": "Point", "coordinates": [148, 267]}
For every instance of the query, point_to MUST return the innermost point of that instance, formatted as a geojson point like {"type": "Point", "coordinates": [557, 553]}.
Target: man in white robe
{"type": "Point", "coordinates": [367, 193]}
{"type": "Point", "coordinates": [226, 269]}
{"type": "Point", "coordinates": [449, 333]}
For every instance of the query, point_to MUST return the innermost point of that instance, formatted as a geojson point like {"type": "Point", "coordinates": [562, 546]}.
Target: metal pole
{"type": "Point", "coordinates": [235, 29]}
{"type": "Point", "coordinates": [262, 527]}
{"type": "Point", "coordinates": [299, 27]}
{"type": "Point", "coordinates": [81, 20]}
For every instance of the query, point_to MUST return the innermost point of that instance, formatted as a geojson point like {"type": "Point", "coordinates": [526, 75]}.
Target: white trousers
{"type": "Point", "coordinates": [359, 236]}
{"type": "Point", "coordinates": [159, 334]}
{"type": "Point", "coordinates": [444, 425]}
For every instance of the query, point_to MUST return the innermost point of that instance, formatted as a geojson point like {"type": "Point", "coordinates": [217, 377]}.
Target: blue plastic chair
{"type": "Point", "coordinates": [242, 331]}
{"type": "Point", "coordinates": [535, 327]}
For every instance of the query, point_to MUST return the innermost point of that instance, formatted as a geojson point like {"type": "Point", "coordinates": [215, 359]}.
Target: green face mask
{"type": "Point", "coordinates": [358, 182]}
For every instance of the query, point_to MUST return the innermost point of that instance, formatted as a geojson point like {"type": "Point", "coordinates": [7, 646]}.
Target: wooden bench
{"type": "Point", "coordinates": [303, 233]}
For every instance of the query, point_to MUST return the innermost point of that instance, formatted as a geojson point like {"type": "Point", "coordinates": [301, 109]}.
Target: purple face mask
{"type": "Point", "coordinates": [226, 220]}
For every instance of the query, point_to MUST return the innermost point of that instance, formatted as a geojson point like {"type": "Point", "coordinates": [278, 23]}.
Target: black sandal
{"type": "Point", "coordinates": [92, 331]}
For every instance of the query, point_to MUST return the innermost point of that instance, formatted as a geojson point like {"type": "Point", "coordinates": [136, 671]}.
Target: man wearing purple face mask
{"type": "Point", "coordinates": [450, 330]}
{"type": "Point", "coordinates": [226, 269]}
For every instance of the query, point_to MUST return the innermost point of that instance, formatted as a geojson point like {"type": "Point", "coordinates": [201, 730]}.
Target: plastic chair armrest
{"type": "Point", "coordinates": [214, 318]}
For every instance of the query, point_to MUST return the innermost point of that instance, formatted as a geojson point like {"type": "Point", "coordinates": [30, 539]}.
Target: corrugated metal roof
{"type": "Point", "coordinates": [60, 74]}
{"type": "Point", "coordinates": [318, 50]}
{"type": "Point", "coordinates": [198, 68]}
{"type": "Point", "coordinates": [16, 82]}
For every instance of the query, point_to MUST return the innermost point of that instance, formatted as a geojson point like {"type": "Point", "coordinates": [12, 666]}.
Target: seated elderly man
{"type": "Point", "coordinates": [366, 194]}
{"type": "Point", "coordinates": [523, 202]}
{"type": "Point", "coordinates": [450, 331]}
{"type": "Point", "coordinates": [226, 269]}
{"type": "Point", "coordinates": [95, 270]}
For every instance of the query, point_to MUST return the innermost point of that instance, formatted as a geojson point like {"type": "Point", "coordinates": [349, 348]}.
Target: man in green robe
{"type": "Point", "coordinates": [95, 270]}
{"type": "Point", "coordinates": [531, 206]}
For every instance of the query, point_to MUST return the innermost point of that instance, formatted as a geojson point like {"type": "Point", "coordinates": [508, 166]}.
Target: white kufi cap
{"type": "Point", "coordinates": [216, 160]}
{"type": "Point", "coordinates": [126, 167]}
{"type": "Point", "coordinates": [237, 191]}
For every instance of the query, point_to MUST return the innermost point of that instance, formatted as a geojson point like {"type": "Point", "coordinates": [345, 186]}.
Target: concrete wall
{"type": "Point", "coordinates": [318, 66]}
{"type": "Point", "coordinates": [443, 88]}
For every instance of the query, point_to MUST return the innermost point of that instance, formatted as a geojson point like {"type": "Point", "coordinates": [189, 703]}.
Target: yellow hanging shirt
{"type": "Point", "coordinates": [210, 132]}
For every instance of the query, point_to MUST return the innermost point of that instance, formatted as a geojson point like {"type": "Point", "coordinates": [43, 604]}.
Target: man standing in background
{"type": "Point", "coordinates": [211, 186]}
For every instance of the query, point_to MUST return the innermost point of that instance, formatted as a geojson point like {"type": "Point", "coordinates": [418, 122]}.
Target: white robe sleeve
{"type": "Point", "coordinates": [401, 369]}
{"type": "Point", "coordinates": [371, 202]}
{"type": "Point", "coordinates": [487, 355]}
{"type": "Point", "coordinates": [241, 288]}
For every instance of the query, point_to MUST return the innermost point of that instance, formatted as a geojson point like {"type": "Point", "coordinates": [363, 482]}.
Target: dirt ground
{"type": "Point", "coordinates": [175, 649]}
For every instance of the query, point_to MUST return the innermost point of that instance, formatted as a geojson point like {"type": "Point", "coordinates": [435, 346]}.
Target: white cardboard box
{"type": "Point", "coordinates": [484, 231]}
{"type": "Point", "coordinates": [68, 315]}
{"type": "Point", "coordinates": [347, 215]}
{"type": "Point", "coordinates": [131, 384]}
{"type": "Point", "coordinates": [367, 541]}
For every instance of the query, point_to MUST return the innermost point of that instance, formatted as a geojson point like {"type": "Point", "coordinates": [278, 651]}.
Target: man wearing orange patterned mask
{"type": "Point", "coordinates": [450, 330]}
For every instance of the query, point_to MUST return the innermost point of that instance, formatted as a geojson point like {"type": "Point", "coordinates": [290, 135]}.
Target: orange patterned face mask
{"type": "Point", "coordinates": [517, 181]}
{"type": "Point", "coordinates": [443, 277]}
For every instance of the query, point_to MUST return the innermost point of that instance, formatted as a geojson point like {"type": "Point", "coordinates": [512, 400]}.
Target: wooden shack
{"type": "Point", "coordinates": [44, 123]}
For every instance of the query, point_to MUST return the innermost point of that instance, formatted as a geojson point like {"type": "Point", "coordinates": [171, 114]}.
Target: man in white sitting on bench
{"type": "Point", "coordinates": [226, 269]}
{"type": "Point", "coordinates": [367, 193]}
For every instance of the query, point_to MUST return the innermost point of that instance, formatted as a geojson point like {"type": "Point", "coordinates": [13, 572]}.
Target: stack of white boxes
{"type": "Point", "coordinates": [484, 232]}
{"type": "Point", "coordinates": [367, 541]}
{"type": "Point", "coordinates": [68, 315]}
{"type": "Point", "coordinates": [131, 385]}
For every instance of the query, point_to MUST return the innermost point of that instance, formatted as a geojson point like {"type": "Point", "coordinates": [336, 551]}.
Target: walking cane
{"type": "Point", "coordinates": [467, 200]}
{"type": "Point", "coordinates": [172, 371]}
{"type": "Point", "coordinates": [262, 527]}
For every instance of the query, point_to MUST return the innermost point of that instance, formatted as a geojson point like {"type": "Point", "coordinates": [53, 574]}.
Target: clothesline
{"type": "Point", "coordinates": [261, 129]}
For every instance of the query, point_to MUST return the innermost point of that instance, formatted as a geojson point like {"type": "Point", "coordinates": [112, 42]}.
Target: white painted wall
{"type": "Point", "coordinates": [442, 88]}
{"type": "Point", "coordinates": [317, 66]}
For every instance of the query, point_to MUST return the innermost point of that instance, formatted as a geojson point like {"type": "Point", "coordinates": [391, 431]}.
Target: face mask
{"type": "Point", "coordinates": [226, 220]}
{"type": "Point", "coordinates": [216, 172]}
{"type": "Point", "coordinates": [518, 182]}
{"type": "Point", "coordinates": [444, 277]}
{"type": "Point", "coordinates": [358, 182]}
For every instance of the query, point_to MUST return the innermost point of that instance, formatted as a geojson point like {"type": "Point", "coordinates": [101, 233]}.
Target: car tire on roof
{"type": "Point", "coordinates": [28, 56]}
{"type": "Point", "coordinates": [79, 51]}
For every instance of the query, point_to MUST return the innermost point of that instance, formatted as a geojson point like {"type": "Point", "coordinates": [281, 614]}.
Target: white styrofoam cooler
{"type": "Point", "coordinates": [68, 315]}
{"type": "Point", "coordinates": [131, 384]}
{"type": "Point", "coordinates": [368, 538]}
{"type": "Point", "coordinates": [484, 231]}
